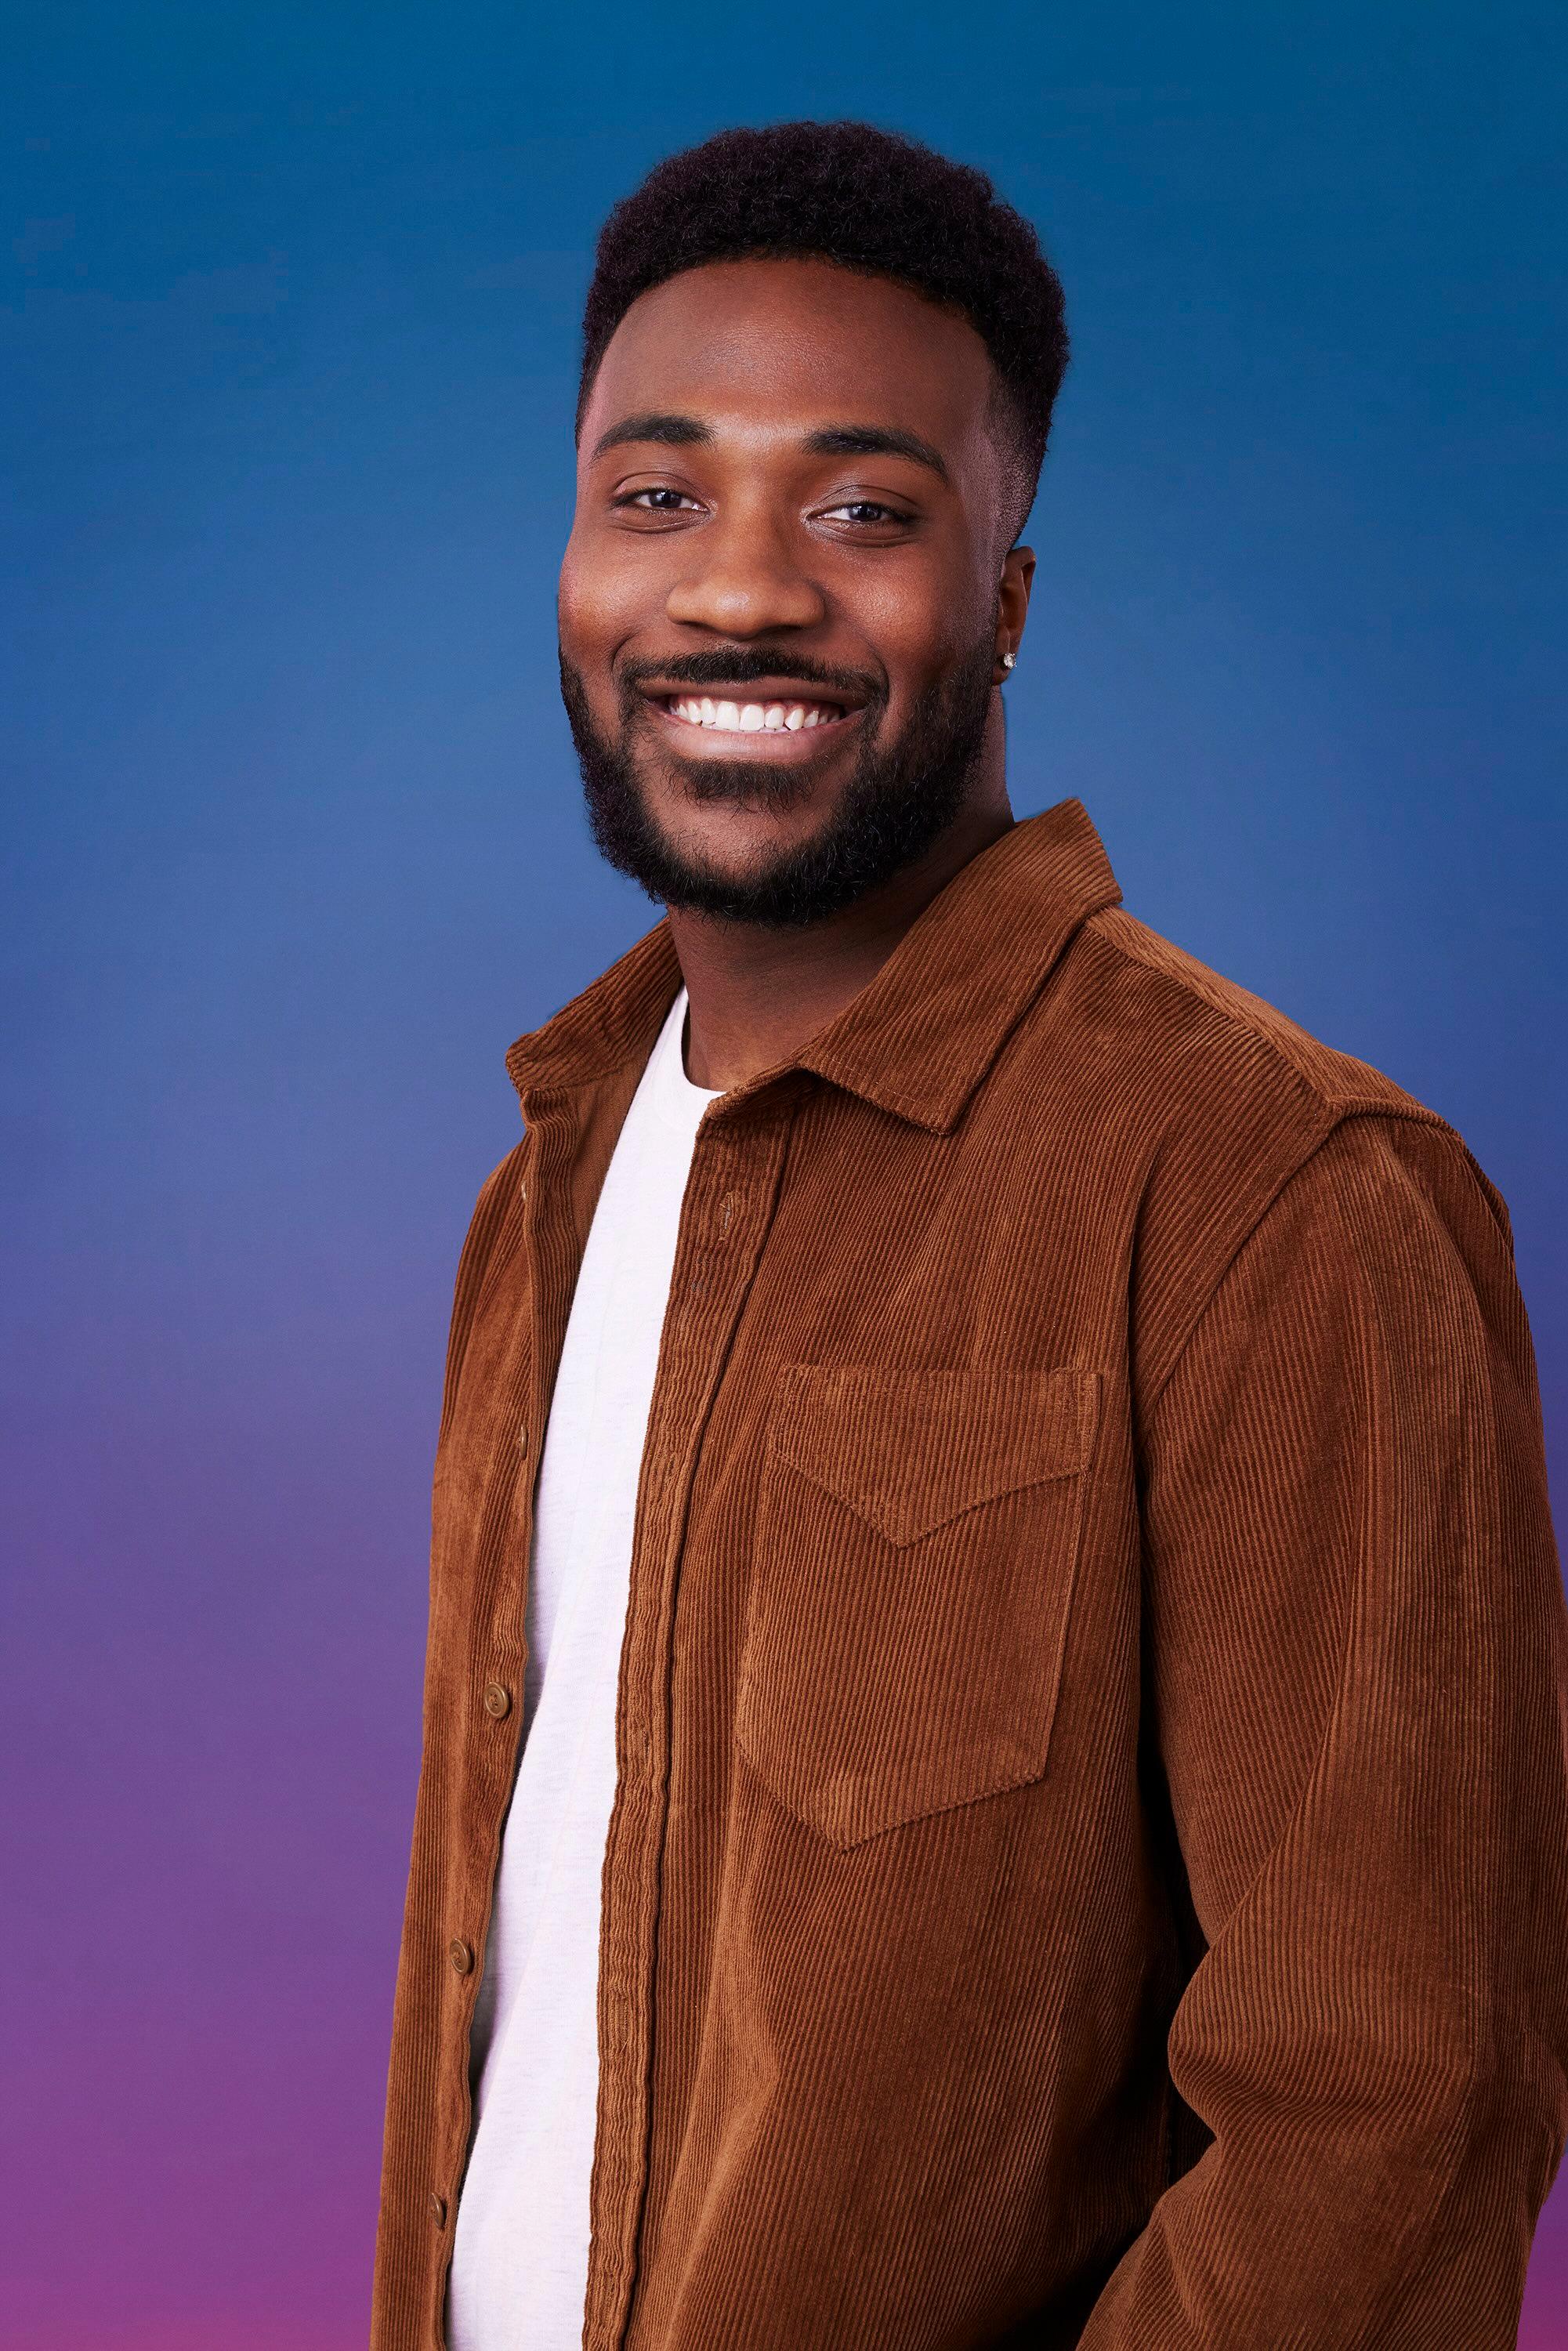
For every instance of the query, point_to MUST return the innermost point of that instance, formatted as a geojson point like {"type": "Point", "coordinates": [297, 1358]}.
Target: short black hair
{"type": "Point", "coordinates": [869, 200]}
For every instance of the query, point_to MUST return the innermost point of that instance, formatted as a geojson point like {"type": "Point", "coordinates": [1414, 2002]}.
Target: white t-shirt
{"type": "Point", "coordinates": [520, 2267]}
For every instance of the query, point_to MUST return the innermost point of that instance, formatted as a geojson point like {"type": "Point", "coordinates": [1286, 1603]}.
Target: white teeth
{"type": "Point", "coordinates": [748, 718]}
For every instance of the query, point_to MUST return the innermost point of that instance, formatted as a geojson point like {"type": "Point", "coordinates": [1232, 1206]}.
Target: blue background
{"type": "Point", "coordinates": [287, 354]}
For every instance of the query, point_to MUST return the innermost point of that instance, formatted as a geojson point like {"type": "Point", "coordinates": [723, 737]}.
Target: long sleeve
{"type": "Point", "coordinates": [1355, 1635]}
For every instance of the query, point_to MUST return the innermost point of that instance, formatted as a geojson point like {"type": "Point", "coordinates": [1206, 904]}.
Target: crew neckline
{"type": "Point", "coordinates": [678, 1101]}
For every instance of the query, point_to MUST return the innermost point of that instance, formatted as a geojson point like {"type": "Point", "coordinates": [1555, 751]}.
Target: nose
{"type": "Point", "coordinates": [745, 579]}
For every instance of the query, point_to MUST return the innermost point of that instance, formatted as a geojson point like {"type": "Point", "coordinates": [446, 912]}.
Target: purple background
{"type": "Point", "coordinates": [287, 359]}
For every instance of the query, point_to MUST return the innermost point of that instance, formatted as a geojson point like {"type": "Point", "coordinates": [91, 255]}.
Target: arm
{"type": "Point", "coordinates": [408, 2248]}
{"type": "Point", "coordinates": [1356, 1642]}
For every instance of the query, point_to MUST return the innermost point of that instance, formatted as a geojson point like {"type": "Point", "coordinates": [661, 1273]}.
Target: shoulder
{"type": "Point", "coordinates": [499, 1193]}
{"type": "Point", "coordinates": [1232, 1109]}
{"type": "Point", "coordinates": [497, 1211]}
{"type": "Point", "coordinates": [1237, 1042]}
{"type": "Point", "coordinates": [1208, 1029]}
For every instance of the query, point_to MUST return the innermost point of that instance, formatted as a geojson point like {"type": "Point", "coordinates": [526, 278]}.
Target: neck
{"type": "Point", "coordinates": [757, 994]}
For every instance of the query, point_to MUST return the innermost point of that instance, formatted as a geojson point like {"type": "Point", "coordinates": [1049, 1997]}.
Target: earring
{"type": "Point", "coordinates": [1010, 661]}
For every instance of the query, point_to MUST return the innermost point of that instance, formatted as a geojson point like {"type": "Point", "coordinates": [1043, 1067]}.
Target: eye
{"type": "Point", "coordinates": [867, 513]}
{"type": "Point", "coordinates": [658, 499]}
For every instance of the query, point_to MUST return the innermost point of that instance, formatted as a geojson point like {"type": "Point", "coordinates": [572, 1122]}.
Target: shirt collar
{"type": "Point", "coordinates": [916, 1040]}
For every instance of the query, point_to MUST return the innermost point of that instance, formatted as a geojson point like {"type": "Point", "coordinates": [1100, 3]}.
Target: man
{"type": "Point", "coordinates": [993, 1763]}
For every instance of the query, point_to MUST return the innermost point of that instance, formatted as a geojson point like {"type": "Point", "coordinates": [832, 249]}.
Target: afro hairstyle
{"type": "Point", "coordinates": [866, 199]}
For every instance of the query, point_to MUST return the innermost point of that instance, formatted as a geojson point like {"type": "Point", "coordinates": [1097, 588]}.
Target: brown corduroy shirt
{"type": "Point", "coordinates": [1088, 1862]}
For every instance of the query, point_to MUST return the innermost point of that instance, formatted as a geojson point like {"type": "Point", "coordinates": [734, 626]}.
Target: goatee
{"type": "Point", "coordinates": [899, 799]}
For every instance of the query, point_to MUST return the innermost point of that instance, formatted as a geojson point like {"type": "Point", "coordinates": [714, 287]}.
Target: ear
{"type": "Point", "coordinates": [1012, 605]}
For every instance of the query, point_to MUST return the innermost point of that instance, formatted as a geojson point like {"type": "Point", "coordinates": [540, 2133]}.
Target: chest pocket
{"type": "Point", "coordinates": [916, 1540]}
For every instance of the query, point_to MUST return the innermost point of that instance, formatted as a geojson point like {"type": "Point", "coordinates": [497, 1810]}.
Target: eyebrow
{"type": "Point", "coordinates": [650, 425]}
{"type": "Point", "coordinates": [875, 441]}
{"type": "Point", "coordinates": [827, 441]}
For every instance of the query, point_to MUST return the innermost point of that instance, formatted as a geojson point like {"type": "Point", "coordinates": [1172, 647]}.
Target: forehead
{"type": "Point", "coordinates": [762, 343]}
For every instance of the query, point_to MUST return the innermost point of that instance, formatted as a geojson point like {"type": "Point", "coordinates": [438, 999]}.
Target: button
{"type": "Point", "coordinates": [523, 1437]}
{"type": "Point", "coordinates": [438, 2209]}
{"type": "Point", "coordinates": [498, 1700]}
{"type": "Point", "coordinates": [461, 1955]}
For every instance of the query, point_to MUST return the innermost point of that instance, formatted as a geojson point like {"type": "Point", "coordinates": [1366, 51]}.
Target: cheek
{"type": "Point", "coordinates": [600, 595]}
{"type": "Point", "coordinates": [578, 597]}
{"type": "Point", "coordinates": [923, 616]}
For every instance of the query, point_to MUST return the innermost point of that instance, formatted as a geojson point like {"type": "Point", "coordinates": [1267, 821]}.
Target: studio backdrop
{"type": "Point", "coordinates": [295, 848]}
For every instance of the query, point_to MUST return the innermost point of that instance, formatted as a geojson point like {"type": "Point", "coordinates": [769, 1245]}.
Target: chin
{"type": "Point", "coordinates": [779, 800]}
{"type": "Point", "coordinates": [737, 822]}
{"type": "Point", "coordinates": [736, 841]}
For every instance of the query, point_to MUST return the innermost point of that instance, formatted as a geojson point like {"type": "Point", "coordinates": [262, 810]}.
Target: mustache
{"type": "Point", "coordinates": [742, 665]}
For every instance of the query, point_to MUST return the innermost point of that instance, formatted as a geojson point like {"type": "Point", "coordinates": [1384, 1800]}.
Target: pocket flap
{"type": "Point", "coordinates": [911, 1449]}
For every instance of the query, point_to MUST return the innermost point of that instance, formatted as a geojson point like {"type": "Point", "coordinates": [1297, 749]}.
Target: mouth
{"type": "Point", "coordinates": [727, 717]}
{"type": "Point", "coordinates": [753, 722]}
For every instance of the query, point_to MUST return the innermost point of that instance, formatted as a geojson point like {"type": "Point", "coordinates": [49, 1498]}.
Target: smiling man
{"type": "Point", "coordinates": [993, 1760]}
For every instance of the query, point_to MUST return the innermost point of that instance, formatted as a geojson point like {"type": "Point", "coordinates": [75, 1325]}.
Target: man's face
{"type": "Point", "coordinates": [788, 574]}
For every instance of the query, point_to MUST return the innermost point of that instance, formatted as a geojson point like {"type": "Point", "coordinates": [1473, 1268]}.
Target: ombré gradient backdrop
{"type": "Point", "coordinates": [286, 365]}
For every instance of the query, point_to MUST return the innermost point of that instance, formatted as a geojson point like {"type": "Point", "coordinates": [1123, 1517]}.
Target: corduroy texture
{"type": "Point", "coordinates": [1090, 1861]}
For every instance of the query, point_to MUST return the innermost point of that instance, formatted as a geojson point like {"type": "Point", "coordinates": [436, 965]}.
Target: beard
{"type": "Point", "coordinates": [900, 798]}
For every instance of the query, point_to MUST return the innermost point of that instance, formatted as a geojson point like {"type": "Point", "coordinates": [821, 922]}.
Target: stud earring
{"type": "Point", "coordinates": [1010, 661]}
